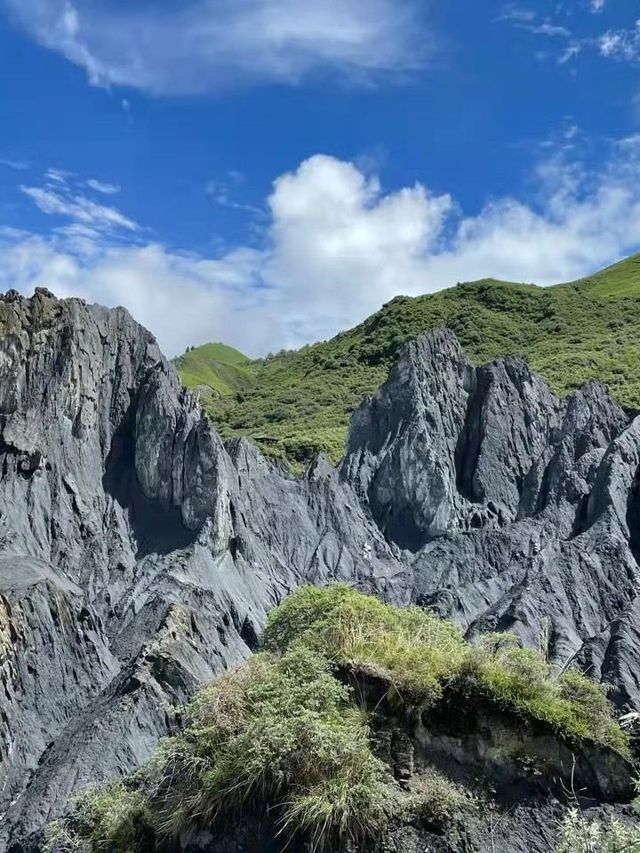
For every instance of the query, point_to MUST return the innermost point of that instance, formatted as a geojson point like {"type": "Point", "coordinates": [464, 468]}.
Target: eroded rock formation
{"type": "Point", "coordinates": [139, 555]}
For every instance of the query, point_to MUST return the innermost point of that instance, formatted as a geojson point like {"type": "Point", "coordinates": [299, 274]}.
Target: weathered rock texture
{"type": "Point", "coordinates": [517, 510]}
{"type": "Point", "coordinates": [139, 555]}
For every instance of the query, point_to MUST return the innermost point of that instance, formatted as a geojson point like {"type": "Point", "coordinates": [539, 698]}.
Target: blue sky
{"type": "Point", "coordinates": [267, 172]}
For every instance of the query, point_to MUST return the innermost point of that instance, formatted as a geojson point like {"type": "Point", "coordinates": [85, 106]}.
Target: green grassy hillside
{"type": "Point", "coordinates": [215, 368]}
{"type": "Point", "coordinates": [297, 403]}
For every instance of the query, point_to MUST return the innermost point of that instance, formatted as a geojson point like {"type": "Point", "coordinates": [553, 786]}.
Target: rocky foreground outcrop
{"type": "Point", "coordinates": [139, 554]}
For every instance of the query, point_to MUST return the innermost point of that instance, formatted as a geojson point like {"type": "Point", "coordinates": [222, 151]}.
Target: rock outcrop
{"type": "Point", "coordinates": [515, 509]}
{"type": "Point", "coordinates": [139, 555]}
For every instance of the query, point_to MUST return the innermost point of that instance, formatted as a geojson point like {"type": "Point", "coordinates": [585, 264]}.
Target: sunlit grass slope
{"type": "Point", "coordinates": [296, 403]}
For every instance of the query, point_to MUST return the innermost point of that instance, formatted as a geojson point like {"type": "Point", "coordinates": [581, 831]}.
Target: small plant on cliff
{"type": "Point", "coordinates": [418, 651]}
{"type": "Point", "coordinates": [278, 733]}
{"type": "Point", "coordinates": [112, 819]}
{"type": "Point", "coordinates": [579, 834]}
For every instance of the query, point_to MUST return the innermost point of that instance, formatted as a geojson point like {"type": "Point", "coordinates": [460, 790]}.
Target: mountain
{"type": "Point", "coordinates": [140, 554]}
{"type": "Point", "coordinates": [297, 403]}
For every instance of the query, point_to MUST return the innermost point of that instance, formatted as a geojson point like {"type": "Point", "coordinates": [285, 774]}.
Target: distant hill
{"type": "Point", "coordinates": [216, 369]}
{"type": "Point", "coordinates": [296, 403]}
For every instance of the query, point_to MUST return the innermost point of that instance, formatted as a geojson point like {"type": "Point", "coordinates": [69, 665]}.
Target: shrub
{"type": "Point", "coordinates": [112, 819]}
{"type": "Point", "coordinates": [415, 649]}
{"type": "Point", "coordinates": [435, 799]}
{"type": "Point", "coordinates": [277, 733]}
{"type": "Point", "coordinates": [578, 834]}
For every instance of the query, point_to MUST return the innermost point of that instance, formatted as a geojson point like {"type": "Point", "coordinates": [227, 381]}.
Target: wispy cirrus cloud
{"type": "Point", "coordinates": [621, 44]}
{"type": "Point", "coordinates": [103, 187]}
{"type": "Point", "coordinates": [16, 165]}
{"type": "Point", "coordinates": [83, 220]}
{"type": "Point", "coordinates": [203, 45]}
{"type": "Point", "coordinates": [528, 19]}
{"type": "Point", "coordinates": [79, 209]}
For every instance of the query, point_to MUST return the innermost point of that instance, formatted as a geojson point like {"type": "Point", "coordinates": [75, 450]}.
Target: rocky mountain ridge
{"type": "Point", "coordinates": [139, 554]}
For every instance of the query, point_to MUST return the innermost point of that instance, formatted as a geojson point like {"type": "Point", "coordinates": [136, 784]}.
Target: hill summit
{"type": "Point", "coordinates": [294, 404]}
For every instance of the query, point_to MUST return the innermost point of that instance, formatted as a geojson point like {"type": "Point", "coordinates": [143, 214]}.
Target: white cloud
{"type": "Point", "coordinates": [16, 165]}
{"type": "Point", "coordinates": [58, 176]}
{"type": "Point", "coordinates": [621, 44]}
{"type": "Point", "coordinates": [65, 202]}
{"type": "Point", "coordinates": [339, 241]}
{"type": "Point", "coordinates": [199, 45]}
{"type": "Point", "coordinates": [103, 187]}
{"type": "Point", "coordinates": [337, 246]}
{"type": "Point", "coordinates": [223, 193]}
{"type": "Point", "coordinates": [528, 19]}
{"type": "Point", "coordinates": [597, 5]}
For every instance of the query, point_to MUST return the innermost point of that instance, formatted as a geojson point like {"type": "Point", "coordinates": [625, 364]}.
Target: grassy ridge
{"type": "Point", "coordinates": [297, 403]}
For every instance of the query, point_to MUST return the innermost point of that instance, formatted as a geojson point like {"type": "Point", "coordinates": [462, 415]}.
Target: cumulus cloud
{"type": "Point", "coordinates": [337, 246]}
{"type": "Point", "coordinates": [200, 45]}
{"type": "Point", "coordinates": [621, 44]}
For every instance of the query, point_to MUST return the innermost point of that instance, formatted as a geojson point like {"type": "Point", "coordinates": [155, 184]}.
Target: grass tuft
{"type": "Point", "coordinates": [422, 655]}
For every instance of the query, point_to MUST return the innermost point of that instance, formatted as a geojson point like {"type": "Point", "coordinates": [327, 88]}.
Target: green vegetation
{"type": "Point", "coordinates": [422, 656]}
{"type": "Point", "coordinates": [295, 404]}
{"type": "Point", "coordinates": [216, 369]}
{"type": "Point", "coordinates": [280, 735]}
{"type": "Point", "coordinates": [283, 740]}
{"type": "Point", "coordinates": [579, 834]}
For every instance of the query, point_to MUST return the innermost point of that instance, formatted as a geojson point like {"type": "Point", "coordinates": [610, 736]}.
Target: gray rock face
{"type": "Point", "coordinates": [139, 555]}
{"type": "Point", "coordinates": [516, 510]}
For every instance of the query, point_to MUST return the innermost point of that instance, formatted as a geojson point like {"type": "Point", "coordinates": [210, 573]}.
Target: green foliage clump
{"type": "Point", "coordinates": [435, 799]}
{"type": "Point", "coordinates": [422, 655]}
{"type": "Point", "coordinates": [416, 649]}
{"type": "Point", "coordinates": [295, 403]}
{"type": "Point", "coordinates": [521, 680]}
{"type": "Point", "coordinates": [279, 732]}
{"type": "Point", "coordinates": [279, 736]}
{"type": "Point", "coordinates": [282, 739]}
{"type": "Point", "coordinates": [579, 834]}
{"type": "Point", "coordinates": [113, 819]}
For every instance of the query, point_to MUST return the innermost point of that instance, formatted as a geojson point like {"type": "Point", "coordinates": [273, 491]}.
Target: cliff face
{"type": "Point", "coordinates": [517, 510]}
{"type": "Point", "coordinates": [139, 555]}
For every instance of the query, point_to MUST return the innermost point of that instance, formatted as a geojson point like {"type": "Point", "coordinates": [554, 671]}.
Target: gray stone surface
{"type": "Point", "coordinates": [516, 510]}
{"type": "Point", "coordinates": [139, 555]}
